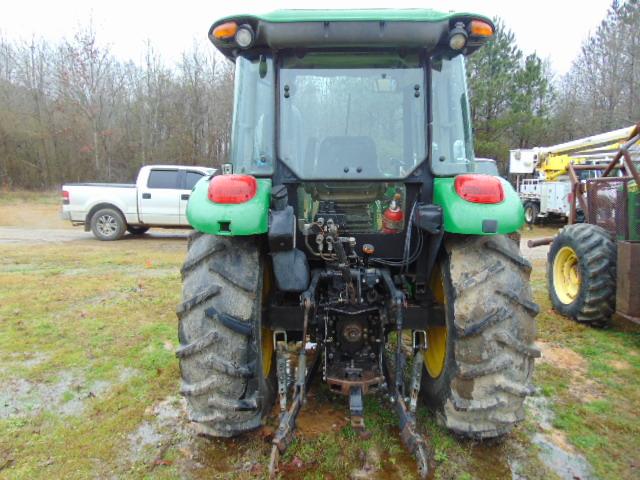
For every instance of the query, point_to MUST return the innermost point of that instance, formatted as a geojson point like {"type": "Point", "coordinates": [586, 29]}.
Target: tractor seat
{"type": "Point", "coordinates": [339, 153]}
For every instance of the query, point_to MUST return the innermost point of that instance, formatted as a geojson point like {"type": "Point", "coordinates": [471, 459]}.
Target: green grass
{"type": "Point", "coordinates": [100, 321]}
{"type": "Point", "coordinates": [597, 411]}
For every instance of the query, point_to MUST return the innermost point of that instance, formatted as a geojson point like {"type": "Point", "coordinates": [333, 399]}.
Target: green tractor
{"type": "Point", "coordinates": [352, 223]}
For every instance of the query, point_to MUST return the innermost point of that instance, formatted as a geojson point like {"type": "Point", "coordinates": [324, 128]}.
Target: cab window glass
{"type": "Point", "coordinates": [191, 179]}
{"type": "Point", "coordinates": [163, 179]}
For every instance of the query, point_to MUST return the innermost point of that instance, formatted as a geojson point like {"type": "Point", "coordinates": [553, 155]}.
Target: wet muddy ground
{"type": "Point", "coordinates": [165, 439]}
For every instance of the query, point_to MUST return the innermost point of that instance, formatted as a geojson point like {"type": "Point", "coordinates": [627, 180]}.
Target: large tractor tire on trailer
{"type": "Point", "coordinates": [479, 365]}
{"type": "Point", "coordinates": [581, 273]}
{"type": "Point", "coordinates": [226, 356]}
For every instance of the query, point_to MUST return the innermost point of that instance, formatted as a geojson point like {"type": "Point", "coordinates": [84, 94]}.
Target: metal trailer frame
{"type": "Point", "coordinates": [604, 201]}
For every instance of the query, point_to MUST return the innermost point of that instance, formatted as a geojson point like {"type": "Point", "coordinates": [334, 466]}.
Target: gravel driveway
{"type": "Point", "coordinates": [53, 235]}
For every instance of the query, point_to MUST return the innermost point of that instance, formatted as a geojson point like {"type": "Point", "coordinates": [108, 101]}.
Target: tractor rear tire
{"type": "Point", "coordinates": [581, 273]}
{"type": "Point", "coordinates": [226, 363]}
{"type": "Point", "coordinates": [480, 371]}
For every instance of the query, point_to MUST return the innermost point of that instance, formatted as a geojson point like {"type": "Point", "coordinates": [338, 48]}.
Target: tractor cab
{"type": "Point", "coordinates": [363, 103]}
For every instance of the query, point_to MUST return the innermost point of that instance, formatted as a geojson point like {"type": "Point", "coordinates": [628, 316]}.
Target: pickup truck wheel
{"type": "Point", "coordinates": [108, 224]}
{"type": "Point", "coordinates": [531, 211]}
{"type": "Point", "coordinates": [137, 230]}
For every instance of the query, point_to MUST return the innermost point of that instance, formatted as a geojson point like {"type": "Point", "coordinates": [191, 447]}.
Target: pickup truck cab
{"type": "Point", "coordinates": [157, 199]}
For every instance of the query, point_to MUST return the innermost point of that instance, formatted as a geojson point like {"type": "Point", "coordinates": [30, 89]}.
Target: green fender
{"type": "Point", "coordinates": [461, 216]}
{"type": "Point", "coordinates": [248, 218]}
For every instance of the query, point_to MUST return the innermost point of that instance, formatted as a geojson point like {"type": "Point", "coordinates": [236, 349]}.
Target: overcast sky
{"type": "Point", "coordinates": [554, 29]}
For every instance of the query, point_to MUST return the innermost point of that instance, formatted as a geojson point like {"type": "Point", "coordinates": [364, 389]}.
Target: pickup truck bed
{"type": "Point", "coordinates": [158, 199]}
{"type": "Point", "coordinates": [114, 185]}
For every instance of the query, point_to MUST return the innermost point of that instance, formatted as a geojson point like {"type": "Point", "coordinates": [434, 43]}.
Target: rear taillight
{"type": "Point", "coordinates": [65, 197]}
{"type": "Point", "coordinates": [478, 188]}
{"type": "Point", "coordinates": [232, 188]}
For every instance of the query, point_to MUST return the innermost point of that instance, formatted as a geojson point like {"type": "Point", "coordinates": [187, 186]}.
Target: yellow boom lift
{"type": "Point", "coordinates": [546, 190]}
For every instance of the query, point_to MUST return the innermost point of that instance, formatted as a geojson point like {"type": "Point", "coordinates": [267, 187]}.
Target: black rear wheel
{"type": "Point", "coordinates": [479, 365]}
{"type": "Point", "coordinates": [226, 356]}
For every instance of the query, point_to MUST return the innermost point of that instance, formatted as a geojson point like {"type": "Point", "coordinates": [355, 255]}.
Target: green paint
{"type": "Point", "coordinates": [633, 207]}
{"type": "Point", "coordinates": [356, 15]}
{"type": "Point", "coordinates": [465, 217]}
{"type": "Point", "coordinates": [249, 218]}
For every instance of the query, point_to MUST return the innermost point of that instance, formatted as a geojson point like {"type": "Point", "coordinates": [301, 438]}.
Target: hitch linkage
{"type": "Point", "coordinates": [284, 435]}
{"type": "Point", "coordinates": [409, 435]}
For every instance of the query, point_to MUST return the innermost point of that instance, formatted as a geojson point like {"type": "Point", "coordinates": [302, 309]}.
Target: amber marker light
{"type": "Point", "coordinates": [478, 28]}
{"type": "Point", "coordinates": [225, 31]}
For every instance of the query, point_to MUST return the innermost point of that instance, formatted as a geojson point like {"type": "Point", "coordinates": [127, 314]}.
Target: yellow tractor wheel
{"type": "Point", "coordinates": [581, 273]}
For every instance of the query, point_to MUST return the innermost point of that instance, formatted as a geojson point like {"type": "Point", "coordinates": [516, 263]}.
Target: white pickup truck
{"type": "Point", "coordinates": [157, 199]}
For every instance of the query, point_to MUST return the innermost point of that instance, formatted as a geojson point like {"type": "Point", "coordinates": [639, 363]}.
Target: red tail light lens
{"type": "Point", "coordinates": [65, 197]}
{"type": "Point", "coordinates": [232, 188]}
{"type": "Point", "coordinates": [479, 188]}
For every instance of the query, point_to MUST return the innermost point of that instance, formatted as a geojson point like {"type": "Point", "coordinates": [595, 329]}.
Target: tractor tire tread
{"type": "Point", "coordinates": [221, 369]}
{"type": "Point", "coordinates": [493, 358]}
{"type": "Point", "coordinates": [197, 299]}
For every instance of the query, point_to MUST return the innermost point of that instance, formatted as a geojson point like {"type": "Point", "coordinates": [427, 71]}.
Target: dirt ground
{"type": "Point", "coordinates": [89, 381]}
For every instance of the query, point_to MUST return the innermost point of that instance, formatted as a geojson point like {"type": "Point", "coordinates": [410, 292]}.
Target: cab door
{"type": "Point", "coordinates": [190, 178]}
{"type": "Point", "coordinates": [159, 199]}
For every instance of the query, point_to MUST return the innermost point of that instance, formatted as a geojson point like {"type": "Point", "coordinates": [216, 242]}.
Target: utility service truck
{"type": "Point", "coordinates": [542, 172]}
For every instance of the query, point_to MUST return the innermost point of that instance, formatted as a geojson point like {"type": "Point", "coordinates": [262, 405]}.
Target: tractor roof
{"type": "Point", "coordinates": [361, 28]}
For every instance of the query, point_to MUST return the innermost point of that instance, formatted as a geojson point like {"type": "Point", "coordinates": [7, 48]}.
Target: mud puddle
{"type": "Point", "coordinates": [67, 394]}
{"type": "Point", "coordinates": [554, 450]}
{"type": "Point", "coordinates": [167, 438]}
{"type": "Point", "coordinates": [319, 416]}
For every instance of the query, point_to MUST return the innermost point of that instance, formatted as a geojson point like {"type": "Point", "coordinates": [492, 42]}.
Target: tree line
{"type": "Point", "coordinates": [71, 111]}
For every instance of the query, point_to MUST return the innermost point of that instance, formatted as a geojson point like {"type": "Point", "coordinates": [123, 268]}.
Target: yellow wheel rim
{"type": "Point", "coordinates": [566, 275]}
{"type": "Point", "coordinates": [436, 353]}
{"type": "Point", "coordinates": [267, 351]}
{"type": "Point", "coordinates": [267, 334]}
